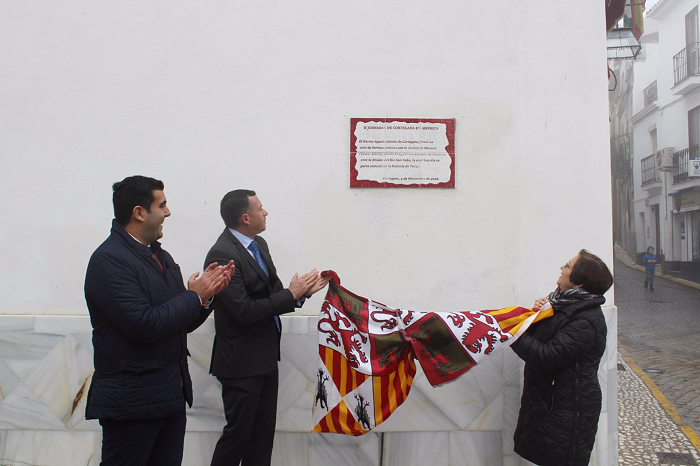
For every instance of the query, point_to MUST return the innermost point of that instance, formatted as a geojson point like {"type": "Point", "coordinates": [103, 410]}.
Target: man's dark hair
{"type": "Point", "coordinates": [592, 273]}
{"type": "Point", "coordinates": [133, 191]}
{"type": "Point", "coordinates": [234, 204]}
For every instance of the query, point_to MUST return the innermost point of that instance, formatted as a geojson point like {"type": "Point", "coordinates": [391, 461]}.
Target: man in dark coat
{"type": "Point", "coordinates": [141, 313]}
{"type": "Point", "coordinates": [248, 331]}
{"type": "Point", "coordinates": [561, 399]}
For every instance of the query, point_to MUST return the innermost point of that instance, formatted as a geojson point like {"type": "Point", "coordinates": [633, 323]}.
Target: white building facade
{"type": "Point", "coordinates": [213, 96]}
{"type": "Point", "coordinates": [666, 122]}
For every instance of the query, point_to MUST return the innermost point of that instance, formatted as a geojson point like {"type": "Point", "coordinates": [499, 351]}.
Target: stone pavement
{"type": "Point", "coordinates": [648, 434]}
{"type": "Point", "coordinates": [659, 368]}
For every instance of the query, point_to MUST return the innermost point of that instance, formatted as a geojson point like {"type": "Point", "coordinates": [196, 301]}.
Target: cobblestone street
{"type": "Point", "coordinates": [648, 436]}
{"type": "Point", "coordinates": [659, 376]}
{"type": "Point", "coordinates": [660, 329]}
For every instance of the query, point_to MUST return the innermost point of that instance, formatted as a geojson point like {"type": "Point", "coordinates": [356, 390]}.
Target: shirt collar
{"type": "Point", "coordinates": [136, 244]}
{"type": "Point", "coordinates": [147, 245]}
{"type": "Point", "coordinates": [245, 241]}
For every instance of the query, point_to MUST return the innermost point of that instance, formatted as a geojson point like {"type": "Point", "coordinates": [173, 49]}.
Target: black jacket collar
{"type": "Point", "coordinates": [126, 238]}
{"type": "Point", "coordinates": [571, 309]}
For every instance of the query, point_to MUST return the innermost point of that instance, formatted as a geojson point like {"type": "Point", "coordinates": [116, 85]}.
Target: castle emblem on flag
{"type": "Point", "coordinates": [321, 394]}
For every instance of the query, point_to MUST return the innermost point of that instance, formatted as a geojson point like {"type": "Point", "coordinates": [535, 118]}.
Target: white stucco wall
{"type": "Point", "coordinates": [667, 19]}
{"type": "Point", "coordinates": [646, 65]}
{"type": "Point", "coordinates": [213, 96]}
{"type": "Point", "coordinates": [671, 17]}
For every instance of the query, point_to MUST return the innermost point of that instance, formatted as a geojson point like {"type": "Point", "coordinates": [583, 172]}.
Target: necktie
{"type": "Point", "coordinates": [159, 264]}
{"type": "Point", "coordinates": [253, 246]}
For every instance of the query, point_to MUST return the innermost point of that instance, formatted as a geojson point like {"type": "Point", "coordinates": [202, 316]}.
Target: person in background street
{"type": "Point", "coordinates": [561, 400]}
{"type": "Point", "coordinates": [649, 260]}
{"type": "Point", "coordinates": [140, 314]}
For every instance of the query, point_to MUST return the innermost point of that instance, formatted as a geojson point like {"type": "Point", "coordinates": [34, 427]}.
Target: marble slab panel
{"type": "Point", "coordinates": [301, 351]}
{"type": "Point", "coordinates": [466, 399]}
{"type": "Point", "coordinates": [47, 447]}
{"type": "Point", "coordinates": [472, 419]}
{"type": "Point", "coordinates": [22, 352]}
{"type": "Point", "coordinates": [61, 380]}
{"type": "Point", "coordinates": [312, 324]}
{"type": "Point", "coordinates": [207, 411]}
{"type": "Point", "coordinates": [429, 448]}
{"type": "Point", "coordinates": [199, 447]}
{"type": "Point", "coordinates": [599, 455]}
{"type": "Point", "coordinates": [200, 345]}
{"type": "Point", "coordinates": [8, 380]}
{"type": "Point", "coordinates": [62, 324]}
{"type": "Point", "coordinates": [511, 397]}
{"type": "Point", "coordinates": [293, 449]}
{"type": "Point", "coordinates": [295, 398]}
{"type": "Point", "coordinates": [85, 424]}
{"type": "Point", "coordinates": [23, 410]}
{"type": "Point", "coordinates": [512, 460]}
{"type": "Point", "coordinates": [14, 323]}
{"type": "Point", "coordinates": [298, 325]}
{"type": "Point", "coordinates": [418, 413]}
{"type": "Point", "coordinates": [296, 416]}
{"type": "Point", "coordinates": [491, 417]}
{"type": "Point", "coordinates": [85, 340]}
{"type": "Point", "coordinates": [207, 327]}
{"type": "Point", "coordinates": [512, 368]}
{"type": "Point", "coordinates": [476, 447]}
{"type": "Point", "coordinates": [343, 450]}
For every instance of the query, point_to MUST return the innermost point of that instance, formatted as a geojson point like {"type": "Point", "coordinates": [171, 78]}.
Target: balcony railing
{"type": "Point", "coordinates": [686, 63]}
{"type": "Point", "coordinates": [650, 94]}
{"type": "Point", "coordinates": [649, 172]}
{"type": "Point", "coordinates": [680, 162]}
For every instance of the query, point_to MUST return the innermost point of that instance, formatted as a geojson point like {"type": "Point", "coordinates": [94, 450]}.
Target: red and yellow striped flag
{"type": "Point", "coordinates": [367, 353]}
{"type": "Point", "coordinates": [638, 18]}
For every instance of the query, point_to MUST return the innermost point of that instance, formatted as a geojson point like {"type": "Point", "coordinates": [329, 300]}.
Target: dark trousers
{"type": "Point", "coordinates": [250, 406]}
{"type": "Point", "coordinates": [157, 442]}
{"type": "Point", "coordinates": [649, 278]}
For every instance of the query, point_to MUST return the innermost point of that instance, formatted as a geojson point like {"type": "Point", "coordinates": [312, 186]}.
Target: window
{"type": "Point", "coordinates": [650, 174]}
{"type": "Point", "coordinates": [650, 94]}
{"type": "Point", "coordinates": [691, 41]}
{"type": "Point", "coordinates": [695, 231]}
{"type": "Point", "coordinates": [694, 133]}
{"type": "Point", "coordinates": [691, 27]}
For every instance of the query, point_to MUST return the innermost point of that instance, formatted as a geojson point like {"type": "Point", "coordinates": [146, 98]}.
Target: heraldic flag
{"type": "Point", "coordinates": [367, 353]}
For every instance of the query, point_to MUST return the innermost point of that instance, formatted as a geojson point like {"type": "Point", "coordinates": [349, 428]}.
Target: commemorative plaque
{"type": "Point", "coordinates": [402, 153]}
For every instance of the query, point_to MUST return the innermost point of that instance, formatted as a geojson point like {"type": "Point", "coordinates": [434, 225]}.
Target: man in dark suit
{"type": "Point", "coordinates": [141, 313]}
{"type": "Point", "coordinates": [248, 330]}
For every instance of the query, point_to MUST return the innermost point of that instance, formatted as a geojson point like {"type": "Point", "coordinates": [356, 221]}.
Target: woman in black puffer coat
{"type": "Point", "coordinates": [561, 399]}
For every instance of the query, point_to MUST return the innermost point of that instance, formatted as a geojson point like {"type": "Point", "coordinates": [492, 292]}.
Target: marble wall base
{"type": "Point", "coordinates": [46, 367]}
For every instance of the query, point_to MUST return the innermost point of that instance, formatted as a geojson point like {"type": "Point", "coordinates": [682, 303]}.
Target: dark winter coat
{"type": "Point", "coordinates": [561, 399]}
{"type": "Point", "coordinates": [140, 318]}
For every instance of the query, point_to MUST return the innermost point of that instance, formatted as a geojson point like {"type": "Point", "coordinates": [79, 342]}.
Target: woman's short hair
{"type": "Point", "coordinates": [591, 273]}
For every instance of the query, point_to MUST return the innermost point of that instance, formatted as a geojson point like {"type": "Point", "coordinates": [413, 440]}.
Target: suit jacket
{"type": "Point", "coordinates": [247, 341]}
{"type": "Point", "coordinates": [140, 316]}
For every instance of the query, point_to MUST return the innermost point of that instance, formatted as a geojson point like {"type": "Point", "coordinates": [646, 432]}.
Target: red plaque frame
{"type": "Point", "coordinates": [449, 148]}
